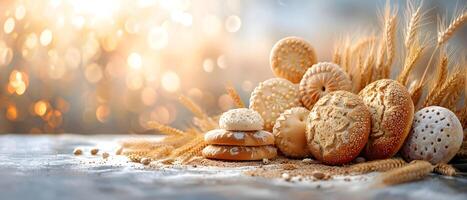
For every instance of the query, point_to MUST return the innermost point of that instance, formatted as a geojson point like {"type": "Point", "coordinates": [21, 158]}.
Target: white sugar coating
{"type": "Point", "coordinates": [239, 135]}
{"type": "Point", "coordinates": [241, 119]}
{"type": "Point", "coordinates": [234, 151]}
{"type": "Point", "coordinates": [436, 136]}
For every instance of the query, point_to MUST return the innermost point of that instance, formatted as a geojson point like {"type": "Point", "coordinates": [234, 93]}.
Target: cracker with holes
{"type": "Point", "coordinates": [338, 127]}
{"type": "Point", "coordinates": [289, 131]}
{"type": "Point", "coordinates": [291, 57]}
{"type": "Point", "coordinates": [321, 79]}
{"type": "Point", "coordinates": [272, 97]}
{"type": "Point", "coordinates": [392, 112]}
{"type": "Point", "coordinates": [239, 153]}
{"type": "Point", "coordinates": [436, 136]}
{"type": "Point", "coordinates": [239, 138]}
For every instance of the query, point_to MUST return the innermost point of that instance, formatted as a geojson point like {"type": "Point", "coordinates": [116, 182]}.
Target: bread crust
{"type": "Point", "coordinates": [239, 153]}
{"type": "Point", "coordinates": [239, 138]}
{"type": "Point", "coordinates": [289, 132]}
{"type": "Point", "coordinates": [291, 57]}
{"type": "Point", "coordinates": [392, 112]}
{"type": "Point", "coordinates": [338, 128]}
{"type": "Point", "coordinates": [320, 79]}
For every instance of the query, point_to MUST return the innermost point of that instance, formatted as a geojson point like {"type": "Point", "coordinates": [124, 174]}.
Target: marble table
{"type": "Point", "coordinates": [43, 167]}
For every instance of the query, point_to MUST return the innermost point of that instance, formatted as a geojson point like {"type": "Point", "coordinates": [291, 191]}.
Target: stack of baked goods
{"type": "Point", "coordinates": [240, 138]}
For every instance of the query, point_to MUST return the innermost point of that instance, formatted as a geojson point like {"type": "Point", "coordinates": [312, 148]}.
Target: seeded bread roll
{"type": "Point", "coordinates": [291, 57]}
{"type": "Point", "coordinates": [392, 112]}
{"type": "Point", "coordinates": [338, 127]}
{"type": "Point", "coordinates": [239, 153]}
{"type": "Point", "coordinates": [241, 119]}
{"type": "Point", "coordinates": [289, 131]}
{"type": "Point", "coordinates": [239, 138]}
{"type": "Point", "coordinates": [436, 136]}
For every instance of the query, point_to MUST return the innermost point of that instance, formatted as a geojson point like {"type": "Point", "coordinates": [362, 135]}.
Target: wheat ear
{"type": "Point", "coordinates": [235, 96]}
{"type": "Point", "coordinates": [390, 40]}
{"type": "Point", "coordinates": [412, 57]}
{"type": "Point", "coordinates": [456, 79]}
{"type": "Point", "coordinates": [377, 165]}
{"type": "Point", "coordinates": [444, 33]}
{"type": "Point", "coordinates": [414, 22]}
{"type": "Point", "coordinates": [164, 128]}
{"type": "Point", "coordinates": [440, 77]}
{"type": "Point", "coordinates": [192, 106]}
{"type": "Point", "coordinates": [445, 169]}
{"type": "Point", "coordinates": [416, 92]}
{"type": "Point", "coordinates": [416, 170]}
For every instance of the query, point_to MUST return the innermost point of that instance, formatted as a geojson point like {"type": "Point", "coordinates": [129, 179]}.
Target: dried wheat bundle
{"type": "Point", "coordinates": [415, 170]}
{"type": "Point", "coordinates": [235, 96]}
{"type": "Point", "coordinates": [445, 169]}
{"type": "Point", "coordinates": [377, 165]}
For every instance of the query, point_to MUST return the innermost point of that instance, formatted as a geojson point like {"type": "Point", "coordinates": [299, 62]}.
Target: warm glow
{"type": "Point", "coordinates": [170, 81]}
{"type": "Point", "coordinates": [135, 61]}
{"type": "Point", "coordinates": [102, 113]}
{"type": "Point", "coordinates": [40, 108]}
{"type": "Point", "coordinates": [46, 37]}
{"type": "Point", "coordinates": [9, 25]}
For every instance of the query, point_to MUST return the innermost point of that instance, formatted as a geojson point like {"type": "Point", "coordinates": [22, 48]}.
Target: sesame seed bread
{"type": "Point", "coordinates": [392, 112]}
{"type": "Point", "coordinates": [338, 127]}
{"type": "Point", "coordinates": [239, 138]}
{"type": "Point", "coordinates": [241, 119]}
{"type": "Point", "coordinates": [291, 57]}
{"type": "Point", "coordinates": [239, 153]}
{"type": "Point", "coordinates": [289, 131]}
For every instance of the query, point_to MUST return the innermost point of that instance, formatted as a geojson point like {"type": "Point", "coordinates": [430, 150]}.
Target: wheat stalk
{"type": "Point", "coordinates": [235, 96]}
{"type": "Point", "coordinates": [416, 92]}
{"type": "Point", "coordinates": [377, 165]}
{"type": "Point", "coordinates": [187, 147]}
{"type": "Point", "coordinates": [192, 106]}
{"type": "Point", "coordinates": [415, 170]}
{"type": "Point", "coordinates": [445, 33]}
{"type": "Point", "coordinates": [445, 169]}
{"type": "Point", "coordinates": [440, 78]}
{"type": "Point", "coordinates": [450, 100]}
{"type": "Point", "coordinates": [456, 79]}
{"type": "Point", "coordinates": [390, 40]}
{"type": "Point", "coordinates": [164, 128]}
{"type": "Point", "coordinates": [414, 22]}
{"type": "Point", "coordinates": [337, 56]}
{"type": "Point", "coordinates": [413, 55]}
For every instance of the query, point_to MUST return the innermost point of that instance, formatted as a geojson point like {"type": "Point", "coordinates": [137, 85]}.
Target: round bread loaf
{"type": "Point", "coordinates": [338, 127]}
{"type": "Point", "coordinates": [272, 97]}
{"type": "Point", "coordinates": [239, 138]}
{"type": "Point", "coordinates": [291, 57]}
{"type": "Point", "coordinates": [392, 113]}
{"type": "Point", "coordinates": [239, 153]}
{"type": "Point", "coordinates": [436, 136]}
{"type": "Point", "coordinates": [241, 119]}
{"type": "Point", "coordinates": [289, 131]}
{"type": "Point", "coordinates": [321, 79]}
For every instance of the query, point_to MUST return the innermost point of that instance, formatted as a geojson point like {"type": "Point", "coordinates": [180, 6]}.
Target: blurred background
{"type": "Point", "coordinates": [109, 66]}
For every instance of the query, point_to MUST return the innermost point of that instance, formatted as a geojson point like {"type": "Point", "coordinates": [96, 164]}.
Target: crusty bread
{"type": "Point", "coordinates": [436, 136]}
{"type": "Point", "coordinates": [291, 57]}
{"type": "Point", "coordinates": [272, 97]}
{"type": "Point", "coordinates": [338, 128]}
{"type": "Point", "coordinates": [239, 153]}
{"type": "Point", "coordinates": [289, 131]}
{"type": "Point", "coordinates": [241, 119]}
{"type": "Point", "coordinates": [320, 79]}
{"type": "Point", "coordinates": [392, 113]}
{"type": "Point", "coordinates": [239, 138]}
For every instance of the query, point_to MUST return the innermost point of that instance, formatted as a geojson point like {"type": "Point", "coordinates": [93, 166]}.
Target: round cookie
{"type": "Point", "coordinates": [239, 138]}
{"type": "Point", "coordinates": [436, 136]}
{"type": "Point", "coordinates": [338, 128]}
{"type": "Point", "coordinates": [241, 119]}
{"type": "Point", "coordinates": [392, 112]}
{"type": "Point", "coordinates": [239, 153]}
{"type": "Point", "coordinates": [321, 79]}
{"type": "Point", "coordinates": [291, 57]}
{"type": "Point", "coordinates": [289, 131]}
{"type": "Point", "coordinates": [272, 97]}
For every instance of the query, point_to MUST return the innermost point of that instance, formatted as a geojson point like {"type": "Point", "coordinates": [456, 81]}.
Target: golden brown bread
{"type": "Point", "coordinates": [338, 127]}
{"type": "Point", "coordinates": [289, 131]}
{"type": "Point", "coordinates": [239, 138]}
{"type": "Point", "coordinates": [392, 112]}
{"type": "Point", "coordinates": [238, 153]}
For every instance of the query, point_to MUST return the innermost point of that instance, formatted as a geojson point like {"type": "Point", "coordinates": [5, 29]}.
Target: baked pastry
{"type": "Point", "coordinates": [241, 119]}
{"type": "Point", "coordinates": [338, 127]}
{"type": "Point", "coordinates": [239, 153]}
{"type": "Point", "coordinates": [392, 113]}
{"type": "Point", "coordinates": [272, 97]}
{"type": "Point", "coordinates": [289, 131]}
{"type": "Point", "coordinates": [321, 79]}
{"type": "Point", "coordinates": [239, 138]}
{"type": "Point", "coordinates": [291, 57]}
{"type": "Point", "coordinates": [436, 136]}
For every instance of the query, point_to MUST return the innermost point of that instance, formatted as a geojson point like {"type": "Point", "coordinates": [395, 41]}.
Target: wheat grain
{"type": "Point", "coordinates": [164, 128]}
{"type": "Point", "coordinates": [440, 78]}
{"type": "Point", "coordinates": [192, 106]}
{"type": "Point", "coordinates": [390, 37]}
{"type": "Point", "coordinates": [412, 57]}
{"type": "Point", "coordinates": [377, 165]}
{"type": "Point", "coordinates": [187, 147]}
{"type": "Point", "coordinates": [450, 100]}
{"type": "Point", "coordinates": [414, 22]}
{"type": "Point", "coordinates": [194, 151]}
{"type": "Point", "coordinates": [415, 170]}
{"type": "Point", "coordinates": [445, 169]}
{"type": "Point", "coordinates": [456, 79]}
{"type": "Point", "coordinates": [445, 33]}
{"type": "Point", "coordinates": [235, 96]}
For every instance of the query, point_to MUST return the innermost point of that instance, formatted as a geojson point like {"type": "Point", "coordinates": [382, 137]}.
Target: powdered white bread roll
{"type": "Point", "coordinates": [239, 153]}
{"type": "Point", "coordinates": [239, 138]}
{"type": "Point", "coordinates": [436, 136]}
{"type": "Point", "coordinates": [289, 131]}
{"type": "Point", "coordinates": [241, 119]}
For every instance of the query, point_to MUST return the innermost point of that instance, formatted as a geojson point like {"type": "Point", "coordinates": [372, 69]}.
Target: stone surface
{"type": "Point", "coordinates": [44, 167]}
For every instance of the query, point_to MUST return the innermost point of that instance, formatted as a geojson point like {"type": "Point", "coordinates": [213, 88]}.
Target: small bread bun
{"type": "Point", "coordinates": [241, 119]}
{"type": "Point", "coordinates": [239, 138]}
{"type": "Point", "coordinates": [392, 112]}
{"type": "Point", "coordinates": [338, 127]}
{"type": "Point", "coordinates": [239, 153]}
{"type": "Point", "coordinates": [291, 57]}
{"type": "Point", "coordinates": [320, 79]}
{"type": "Point", "coordinates": [289, 131]}
{"type": "Point", "coordinates": [436, 136]}
{"type": "Point", "coordinates": [272, 97]}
